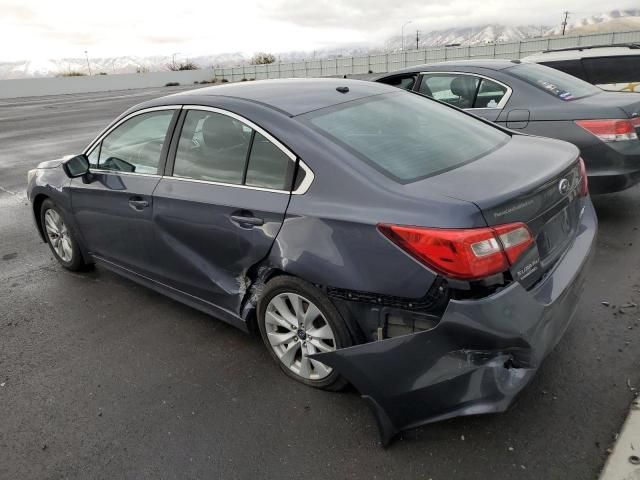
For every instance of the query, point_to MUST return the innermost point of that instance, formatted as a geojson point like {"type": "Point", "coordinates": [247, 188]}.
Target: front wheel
{"type": "Point", "coordinates": [297, 320]}
{"type": "Point", "coordinates": [60, 238]}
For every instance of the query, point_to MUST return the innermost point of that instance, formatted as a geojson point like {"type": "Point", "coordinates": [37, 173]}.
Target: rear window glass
{"type": "Point", "coordinates": [406, 136]}
{"type": "Point", "coordinates": [554, 82]}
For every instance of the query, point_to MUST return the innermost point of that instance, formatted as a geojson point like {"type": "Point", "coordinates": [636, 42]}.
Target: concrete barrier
{"type": "Point", "coordinates": [33, 87]}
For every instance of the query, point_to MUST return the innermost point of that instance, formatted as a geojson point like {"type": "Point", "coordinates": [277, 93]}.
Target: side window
{"type": "Point", "coordinates": [608, 70]}
{"type": "Point", "coordinates": [489, 94]}
{"type": "Point", "coordinates": [217, 148]}
{"type": "Point", "coordinates": [269, 167]}
{"type": "Point", "coordinates": [458, 90]}
{"type": "Point", "coordinates": [405, 82]}
{"type": "Point", "coordinates": [572, 67]}
{"type": "Point", "coordinates": [134, 146]}
{"type": "Point", "coordinates": [212, 147]}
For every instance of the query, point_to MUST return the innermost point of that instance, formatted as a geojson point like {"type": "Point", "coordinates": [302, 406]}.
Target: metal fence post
{"type": "Point", "coordinates": [387, 62]}
{"type": "Point", "coordinates": [519, 49]}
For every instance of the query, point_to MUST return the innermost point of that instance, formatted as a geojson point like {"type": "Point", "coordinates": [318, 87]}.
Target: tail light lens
{"type": "Point", "coordinates": [584, 181]}
{"type": "Point", "coordinates": [467, 254]}
{"type": "Point", "coordinates": [612, 130]}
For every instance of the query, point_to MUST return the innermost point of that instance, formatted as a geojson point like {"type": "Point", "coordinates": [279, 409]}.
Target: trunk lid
{"type": "Point", "coordinates": [530, 180]}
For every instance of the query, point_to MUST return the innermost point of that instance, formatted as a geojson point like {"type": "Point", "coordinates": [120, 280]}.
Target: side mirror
{"type": "Point", "coordinates": [77, 166]}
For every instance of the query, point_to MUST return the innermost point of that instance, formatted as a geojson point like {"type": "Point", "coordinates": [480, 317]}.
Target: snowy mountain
{"type": "Point", "coordinates": [616, 20]}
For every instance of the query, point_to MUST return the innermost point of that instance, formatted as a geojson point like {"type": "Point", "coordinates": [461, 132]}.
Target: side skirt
{"type": "Point", "coordinates": [175, 294]}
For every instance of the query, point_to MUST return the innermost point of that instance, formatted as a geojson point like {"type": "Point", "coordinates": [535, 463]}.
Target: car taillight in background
{"type": "Point", "coordinates": [612, 130]}
{"type": "Point", "coordinates": [467, 254]}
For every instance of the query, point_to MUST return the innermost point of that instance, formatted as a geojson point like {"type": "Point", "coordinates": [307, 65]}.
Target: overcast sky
{"type": "Point", "coordinates": [66, 28]}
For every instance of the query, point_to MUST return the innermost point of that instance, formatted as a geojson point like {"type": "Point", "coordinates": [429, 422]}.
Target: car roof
{"type": "Point", "coordinates": [291, 96]}
{"type": "Point", "coordinates": [583, 52]}
{"type": "Point", "coordinates": [486, 63]}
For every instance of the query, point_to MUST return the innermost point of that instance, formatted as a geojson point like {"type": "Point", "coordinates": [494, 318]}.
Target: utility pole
{"type": "Point", "coordinates": [86, 53]}
{"type": "Point", "coordinates": [417, 39]}
{"type": "Point", "coordinates": [564, 23]}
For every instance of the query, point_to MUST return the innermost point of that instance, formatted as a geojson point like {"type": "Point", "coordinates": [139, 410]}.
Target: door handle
{"type": "Point", "coordinates": [242, 220]}
{"type": "Point", "coordinates": [138, 203]}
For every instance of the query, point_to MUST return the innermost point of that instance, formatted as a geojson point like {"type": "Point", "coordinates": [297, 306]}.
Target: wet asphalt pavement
{"type": "Point", "coordinates": [102, 378]}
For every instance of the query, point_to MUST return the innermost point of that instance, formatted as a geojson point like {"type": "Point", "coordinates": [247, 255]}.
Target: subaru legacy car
{"type": "Point", "coordinates": [370, 235]}
{"type": "Point", "coordinates": [540, 100]}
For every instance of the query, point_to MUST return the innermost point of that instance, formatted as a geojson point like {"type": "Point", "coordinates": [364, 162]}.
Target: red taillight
{"type": "Point", "coordinates": [611, 130]}
{"type": "Point", "coordinates": [468, 254]}
{"type": "Point", "coordinates": [584, 181]}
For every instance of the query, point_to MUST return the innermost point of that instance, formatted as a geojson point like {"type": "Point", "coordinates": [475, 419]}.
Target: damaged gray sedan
{"type": "Point", "coordinates": [371, 235]}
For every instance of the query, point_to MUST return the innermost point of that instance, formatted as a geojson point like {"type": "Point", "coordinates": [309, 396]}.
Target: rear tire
{"type": "Point", "coordinates": [60, 237]}
{"type": "Point", "coordinates": [296, 319]}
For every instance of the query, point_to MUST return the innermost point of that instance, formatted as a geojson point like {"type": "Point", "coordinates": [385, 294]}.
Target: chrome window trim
{"type": "Point", "coordinates": [503, 101]}
{"type": "Point", "coordinates": [301, 190]}
{"type": "Point", "coordinates": [118, 172]}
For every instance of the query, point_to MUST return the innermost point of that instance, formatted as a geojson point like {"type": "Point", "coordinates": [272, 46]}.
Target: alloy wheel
{"type": "Point", "coordinates": [59, 235]}
{"type": "Point", "coordinates": [296, 328]}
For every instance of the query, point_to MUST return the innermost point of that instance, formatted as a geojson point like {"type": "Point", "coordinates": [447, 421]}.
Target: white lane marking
{"type": "Point", "coordinates": [623, 464]}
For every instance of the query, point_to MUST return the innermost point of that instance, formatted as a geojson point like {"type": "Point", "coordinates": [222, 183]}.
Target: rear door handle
{"type": "Point", "coordinates": [242, 220]}
{"type": "Point", "coordinates": [137, 203]}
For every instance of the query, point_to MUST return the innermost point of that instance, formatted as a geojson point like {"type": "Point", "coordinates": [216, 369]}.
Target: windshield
{"type": "Point", "coordinates": [405, 136]}
{"type": "Point", "coordinates": [554, 82]}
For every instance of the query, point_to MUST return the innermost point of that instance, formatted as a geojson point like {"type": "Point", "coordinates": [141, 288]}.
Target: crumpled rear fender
{"type": "Point", "coordinates": [478, 358]}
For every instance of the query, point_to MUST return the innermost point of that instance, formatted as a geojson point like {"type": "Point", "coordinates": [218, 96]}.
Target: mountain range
{"type": "Point", "coordinates": [616, 20]}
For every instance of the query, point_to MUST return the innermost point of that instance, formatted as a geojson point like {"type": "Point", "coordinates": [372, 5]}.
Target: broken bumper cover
{"type": "Point", "coordinates": [478, 358]}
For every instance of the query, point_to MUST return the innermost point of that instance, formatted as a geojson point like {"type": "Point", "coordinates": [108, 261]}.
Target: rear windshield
{"type": "Point", "coordinates": [407, 137]}
{"type": "Point", "coordinates": [552, 81]}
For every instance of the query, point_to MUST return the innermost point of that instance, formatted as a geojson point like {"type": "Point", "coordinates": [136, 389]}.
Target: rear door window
{"type": "Point", "coordinates": [490, 94]}
{"type": "Point", "coordinates": [218, 148]}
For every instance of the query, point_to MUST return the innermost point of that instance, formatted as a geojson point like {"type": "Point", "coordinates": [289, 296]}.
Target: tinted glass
{"type": "Point", "coordinates": [458, 90]}
{"type": "Point", "coordinates": [489, 94]}
{"type": "Point", "coordinates": [572, 67]}
{"type": "Point", "coordinates": [407, 136]}
{"type": "Point", "coordinates": [606, 70]}
{"type": "Point", "coordinates": [268, 166]}
{"type": "Point", "coordinates": [212, 147]}
{"type": "Point", "coordinates": [136, 145]}
{"type": "Point", "coordinates": [554, 82]}
{"type": "Point", "coordinates": [94, 155]}
{"type": "Point", "coordinates": [405, 82]}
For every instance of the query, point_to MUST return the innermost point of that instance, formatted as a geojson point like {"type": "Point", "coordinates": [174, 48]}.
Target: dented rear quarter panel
{"type": "Point", "coordinates": [478, 358]}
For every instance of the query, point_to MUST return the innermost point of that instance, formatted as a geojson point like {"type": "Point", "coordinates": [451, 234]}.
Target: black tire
{"type": "Point", "coordinates": [286, 284]}
{"type": "Point", "coordinates": [75, 262]}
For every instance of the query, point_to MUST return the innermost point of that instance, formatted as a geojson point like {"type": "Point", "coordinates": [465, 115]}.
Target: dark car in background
{"type": "Point", "coordinates": [369, 234]}
{"type": "Point", "coordinates": [610, 67]}
{"type": "Point", "coordinates": [539, 100]}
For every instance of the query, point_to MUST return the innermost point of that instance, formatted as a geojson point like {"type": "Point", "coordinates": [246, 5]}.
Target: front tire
{"type": "Point", "coordinates": [60, 237]}
{"type": "Point", "coordinates": [295, 320]}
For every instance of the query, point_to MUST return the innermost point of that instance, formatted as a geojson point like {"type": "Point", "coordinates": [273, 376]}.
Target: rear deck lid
{"type": "Point", "coordinates": [530, 180]}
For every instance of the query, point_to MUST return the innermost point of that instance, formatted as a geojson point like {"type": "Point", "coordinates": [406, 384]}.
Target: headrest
{"type": "Point", "coordinates": [220, 131]}
{"type": "Point", "coordinates": [463, 86]}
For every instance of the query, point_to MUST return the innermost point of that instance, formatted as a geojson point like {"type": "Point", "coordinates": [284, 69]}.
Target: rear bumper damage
{"type": "Point", "coordinates": [480, 355]}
